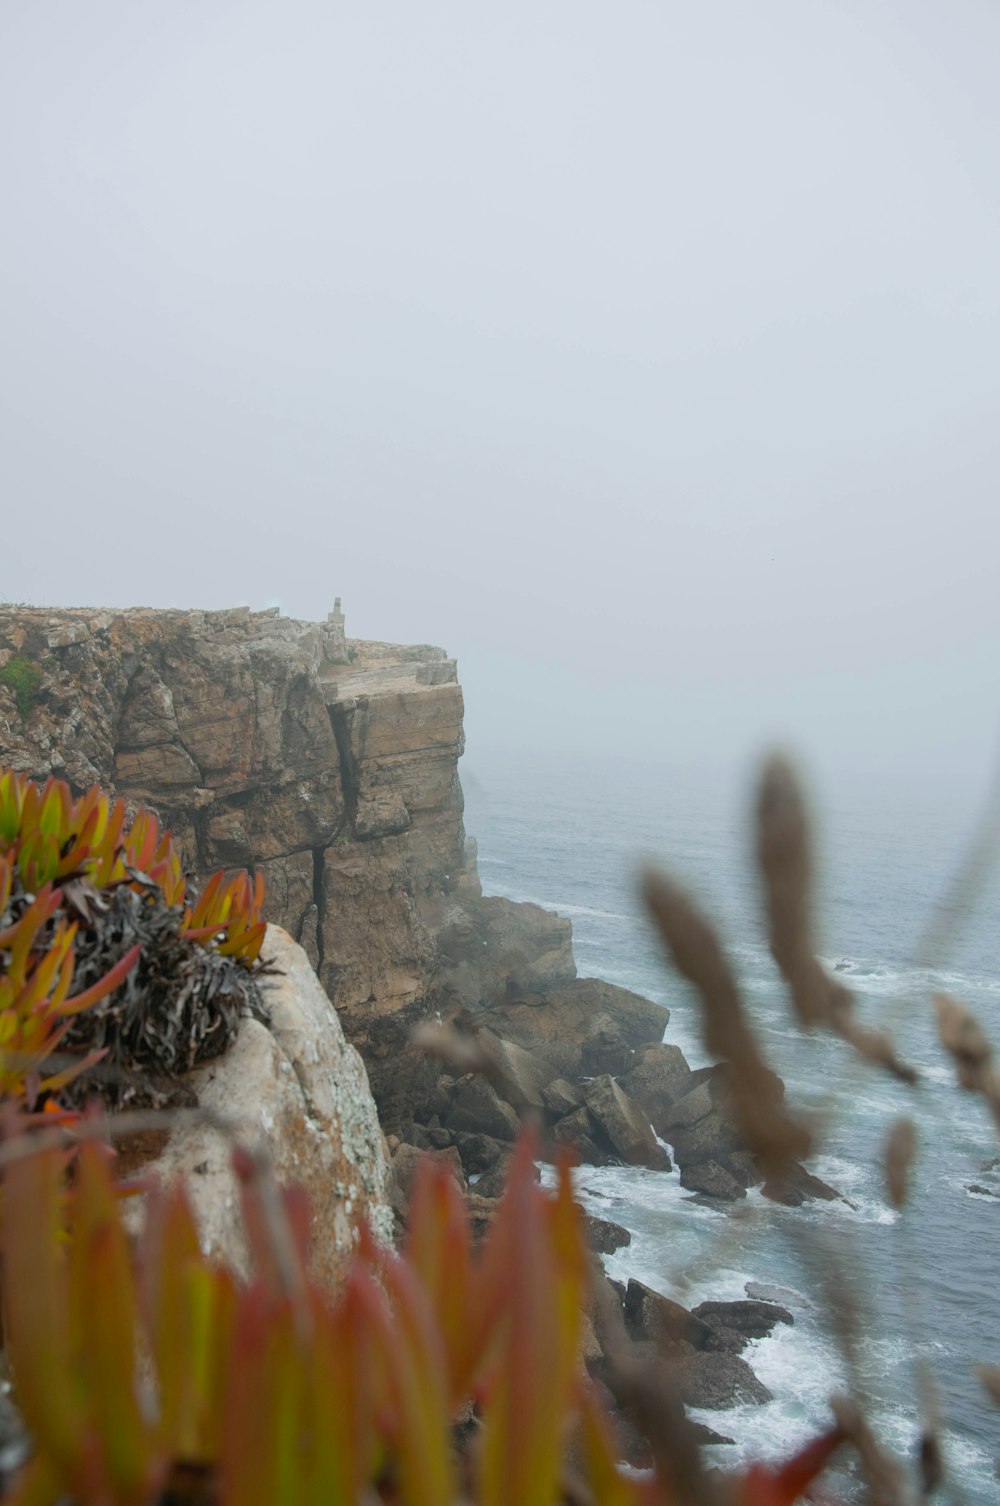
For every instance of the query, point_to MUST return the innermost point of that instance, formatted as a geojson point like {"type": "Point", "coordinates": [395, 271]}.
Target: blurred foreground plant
{"type": "Point", "coordinates": [146, 1375]}
{"type": "Point", "coordinates": [70, 871]}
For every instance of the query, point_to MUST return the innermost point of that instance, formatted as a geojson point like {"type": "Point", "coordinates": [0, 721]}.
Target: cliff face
{"type": "Point", "coordinates": [327, 763]}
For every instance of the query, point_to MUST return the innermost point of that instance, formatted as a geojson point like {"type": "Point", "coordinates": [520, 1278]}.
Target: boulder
{"type": "Point", "coordinates": [604, 1048]}
{"type": "Point", "coordinates": [713, 1180]}
{"type": "Point", "coordinates": [478, 1109]}
{"type": "Point", "coordinates": [711, 1138]}
{"type": "Point", "coordinates": [561, 1097]}
{"type": "Point", "coordinates": [581, 1133]}
{"type": "Point", "coordinates": [649, 1316]}
{"type": "Point", "coordinates": [689, 1109]}
{"type": "Point", "coordinates": [783, 1296]}
{"type": "Point", "coordinates": [405, 1164]}
{"type": "Point", "coordinates": [605, 1237]}
{"type": "Point", "coordinates": [718, 1381]}
{"type": "Point", "coordinates": [554, 1022]}
{"type": "Point", "coordinates": [624, 1125]}
{"type": "Point", "coordinates": [705, 1435]}
{"type": "Point", "coordinates": [658, 1076]}
{"type": "Point", "coordinates": [478, 1152]}
{"type": "Point", "coordinates": [299, 1090]}
{"type": "Point", "coordinates": [736, 1323]}
{"type": "Point", "coordinates": [524, 1076]}
{"type": "Point", "coordinates": [800, 1186]}
{"type": "Point", "coordinates": [494, 1180]}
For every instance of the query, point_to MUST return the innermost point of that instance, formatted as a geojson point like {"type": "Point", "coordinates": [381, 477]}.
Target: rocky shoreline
{"type": "Point", "coordinates": [330, 765]}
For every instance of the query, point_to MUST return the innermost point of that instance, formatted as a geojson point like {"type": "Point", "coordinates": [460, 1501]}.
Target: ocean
{"type": "Point", "coordinates": [571, 834]}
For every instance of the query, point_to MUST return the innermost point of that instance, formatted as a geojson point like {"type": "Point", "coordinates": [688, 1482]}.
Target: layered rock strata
{"type": "Point", "coordinates": [330, 764]}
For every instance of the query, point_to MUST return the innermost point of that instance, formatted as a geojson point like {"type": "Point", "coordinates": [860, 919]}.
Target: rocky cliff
{"type": "Point", "coordinates": [328, 763]}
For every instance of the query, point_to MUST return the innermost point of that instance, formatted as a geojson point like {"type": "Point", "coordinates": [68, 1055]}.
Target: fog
{"type": "Point", "coordinates": [645, 355]}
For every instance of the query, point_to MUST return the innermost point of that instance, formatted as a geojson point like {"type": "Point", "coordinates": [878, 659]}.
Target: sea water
{"type": "Point", "coordinates": [921, 1287]}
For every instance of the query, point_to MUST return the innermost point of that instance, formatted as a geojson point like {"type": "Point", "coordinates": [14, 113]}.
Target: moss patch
{"type": "Point", "coordinates": [22, 677]}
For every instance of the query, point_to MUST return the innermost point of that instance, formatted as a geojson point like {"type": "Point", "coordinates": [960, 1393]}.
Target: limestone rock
{"type": "Point", "coordinates": [298, 1088]}
{"type": "Point", "coordinates": [561, 1097]}
{"type": "Point", "coordinates": [736, 1323]}
{"type": "Point", "coordinates": [719, 1381]}
{"type": "Point", "coordinates": [651, 1316]}
{"type": "Point", "coordinates": [623, 1124]}
{"type": "Point", "coordinates": [477, 1151]}
{"type": "Point", "coordinates": [554, 1023]}
{"type": "Point", "coordinates": [658, 1076]}
{"type": "Point", "coordinates": [477, 1109]}
{"type": "Point", "coordinates": [494, 1180]}
{"type": "Point", "coordinates": [604, 1236]}
{"type": "Point", "coordinates": [405, 1164]}
{"type": "Point", "coordinates": [580, 1131]}
{"type": "Point", "coordinates": [711, 1179]}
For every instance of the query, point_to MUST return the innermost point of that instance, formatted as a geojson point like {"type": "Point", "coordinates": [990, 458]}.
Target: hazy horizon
{"type": "Point", "coordinates": [645, 357]}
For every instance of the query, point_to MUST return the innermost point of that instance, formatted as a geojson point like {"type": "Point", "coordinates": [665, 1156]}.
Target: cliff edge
{"type": "Point", "coordinates": [330, 764]}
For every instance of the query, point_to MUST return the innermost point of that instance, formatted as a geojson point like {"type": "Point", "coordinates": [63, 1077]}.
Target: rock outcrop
{"type": "Point", "coordinates": [331, 766]}
{"type": "Point", "coordinates": [297, 1088]}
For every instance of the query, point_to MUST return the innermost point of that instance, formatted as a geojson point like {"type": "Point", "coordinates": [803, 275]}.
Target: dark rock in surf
{"type": "Point", "coordinates": [657, 1078]}
{"type": "Point", "coordinates": [624, 1125]}
{"type": "Point", "coordinates": [478, 1109]}
{"type": "Point", "coordinates": [736, 1323]}
{"type": "Point", "coordinates": [651, 1317]}
{"type": "Point", "coordinates": [713, 1180]}
{"type": "Point", "coordinates": [719, 1381]}
{"type": "Point", "coordinates": [605, 1237]}
{"type": "Point", "coordinates": [561, 1097]}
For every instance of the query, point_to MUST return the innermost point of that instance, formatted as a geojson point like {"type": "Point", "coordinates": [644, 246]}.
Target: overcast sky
{"type": "Point", "coordinates": [645, 355]}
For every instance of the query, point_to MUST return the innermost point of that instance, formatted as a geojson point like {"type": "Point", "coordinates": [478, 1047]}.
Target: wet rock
{"type": "Point", "coordinates": [784, 1296]}
{"type": "Point", "coordinates": [579, 1131]}
{"type": "Point", "coordinates": [658, 1076]}
{"type": "Point", "coordinates": [477, 1109]}
{"type": "Point", "coordinates": [719, 1381]}
{"type": "Point", "coordinates": [652, 1317]}
{"type": "Point", "coordinates": [705, 1435]}
{"type": "Point", "coordinates": [624, 1125]}
{"type": "Point", "coordinates": [561, 1097]}
{"type": "Point", "coordinates": [478, 1152]}
{"type": "Point", "coordinates": [689, 1109]}
{"type": "Point", "coordinates": [736, 1323]}
{"type": "Point", "coordinates": [405, 1165]}
{"type": "Point", "coordinates": [493, 1181]}
{"type": "Point", "coordinates": [554, 1022]}
{"type": "Point", "coordinates": [606, 1237]}
{"type": "Point", "coordinates": [800, 1186]}
{"type": "Point", "coordinates": [713, 1180]}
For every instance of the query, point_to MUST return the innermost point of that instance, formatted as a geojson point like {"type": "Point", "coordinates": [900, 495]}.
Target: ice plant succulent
{"type": "Point", "coordinates": [85, 896]}
{"type": "Point", "coordinates": [141, 1370]}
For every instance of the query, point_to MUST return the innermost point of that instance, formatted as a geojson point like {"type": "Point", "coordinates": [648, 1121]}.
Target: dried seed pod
{"type": "Point", "coordinates": [989, 1378]}
{"type": "Point", "coordinates": [768, 1129]}
{"type": "Point", "coordinates": [900, 1149]}
{"type": "Point", "coordinates": [784, 853]}
{"type": "Point", "coordinates": [966, 1043]}
{"type": "Point", "coordinates": [883, 1472]}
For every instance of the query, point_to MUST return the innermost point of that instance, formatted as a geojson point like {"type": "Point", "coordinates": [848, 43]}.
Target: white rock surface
{"type": "Point", "coordinates": [301, 1089]}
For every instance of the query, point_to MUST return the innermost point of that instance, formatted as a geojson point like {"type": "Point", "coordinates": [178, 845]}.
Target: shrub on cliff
{"type": "Point", "coordinates": [161, 982]}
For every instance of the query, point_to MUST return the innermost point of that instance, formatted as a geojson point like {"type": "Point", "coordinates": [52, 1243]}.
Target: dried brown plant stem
{"type": "Point", "coordinates": [768, 1129]}
{"type": "Point", "coordinates": [784, 853]}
